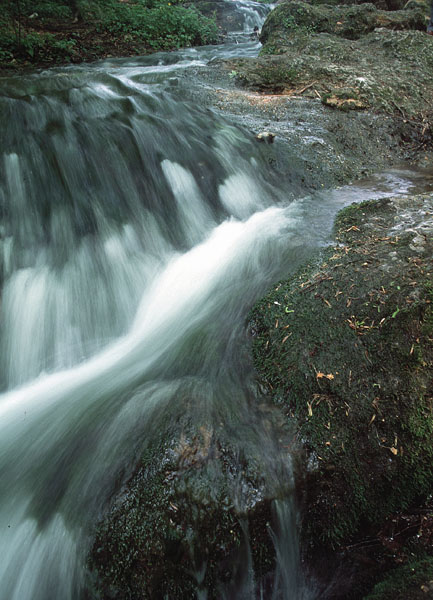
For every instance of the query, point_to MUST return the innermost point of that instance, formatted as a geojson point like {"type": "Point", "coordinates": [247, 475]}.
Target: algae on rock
{"type": "Point", "coordinates": [384, 58]}
{"type": "Point", "coordinates": [197, 515]}
{"type": "Point", "coordinates": [350, 22]}
{"type": "Point", "coordinates": [351, 360]}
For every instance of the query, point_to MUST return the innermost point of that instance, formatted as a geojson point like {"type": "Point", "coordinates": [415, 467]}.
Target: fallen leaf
{"type": "Point", "coordinates": [320, 375]}
{"type": "Point", "coordinates": [394, 450]}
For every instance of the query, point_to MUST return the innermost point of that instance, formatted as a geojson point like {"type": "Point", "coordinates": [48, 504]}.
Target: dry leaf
{"type": "Point", "coordinates": [320, 375]}
{"type": "Point", "coordinates": [394, 450]}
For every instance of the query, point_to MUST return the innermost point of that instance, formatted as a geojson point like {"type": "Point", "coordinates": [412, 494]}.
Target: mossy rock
{"type": "Point", "coordinates": [388, 71]}
{"type": "Point", "coordinates": [269, 74]}
{"type": "Point", "coordinates": [183, 524]}
{"type": "Point", "coordinates": [350, 22]}
{"type": "Point", "coordinates": [345, 349]}
{"type": "Point", "coordinates": [412, 581]}
{"type": "Point", "coordinates": [380, 4]}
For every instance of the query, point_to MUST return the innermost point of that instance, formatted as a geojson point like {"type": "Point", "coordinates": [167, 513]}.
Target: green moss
{"type": "Point", "coordinates": [179, 524]}
{"type": "Point", "coordinates": [338, 346]}
{"type": "Point", "coordinates": [350, 22]}
{"type": "Point", "coordinates": [408, 581]}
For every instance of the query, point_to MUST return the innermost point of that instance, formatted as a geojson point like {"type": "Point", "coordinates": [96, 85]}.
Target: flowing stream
{"type": "Point", "coordinates": [137, 229]}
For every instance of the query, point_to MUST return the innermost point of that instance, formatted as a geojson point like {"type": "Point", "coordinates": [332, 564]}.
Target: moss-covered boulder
{"type": "Point", "coordinates": [412, 581]}
{"type": "Point", "coordinates": [380, 4]}
{"type": "Point", "coordinates": [195, 518]}
{"type": "Point", "coordinates": [387, 71]}
{"type": "Point", "coordinates": [350, 22]}
{"type": "Point", "coordinates": [345, 348]}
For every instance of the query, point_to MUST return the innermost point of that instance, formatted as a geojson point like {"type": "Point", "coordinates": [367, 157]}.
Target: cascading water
{"type": "Point", "coordinates": [132, 225]}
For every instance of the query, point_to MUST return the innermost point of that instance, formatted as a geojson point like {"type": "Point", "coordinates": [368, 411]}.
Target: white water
{"type": "Point", "coordinates": [37, 418]}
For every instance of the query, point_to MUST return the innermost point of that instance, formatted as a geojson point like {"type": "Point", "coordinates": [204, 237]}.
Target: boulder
{"type": "Point", "coordinates": [195, 514]}
{"type": "Point", "coordinates": [350, 22]}
{"type": "Point", "coordinates": [352, 362]}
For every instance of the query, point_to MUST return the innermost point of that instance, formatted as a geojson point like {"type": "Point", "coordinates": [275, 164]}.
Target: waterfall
{"type": "Point", "coordinates": [133, 223]}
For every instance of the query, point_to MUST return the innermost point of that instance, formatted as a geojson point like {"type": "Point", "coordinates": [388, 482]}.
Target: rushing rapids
{"type": "Point", "coordinates": [133, 223]}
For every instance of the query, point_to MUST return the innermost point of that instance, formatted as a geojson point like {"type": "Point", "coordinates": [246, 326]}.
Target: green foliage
{"type": "Point", "coordinates": [142, 26]}
{"type": "Point", "coordinates": [291, 24]}
{"type": "Point", "coordinates": [52, 10]}
{"type": "Point", "coordinates": [269, 49]}
{"type": "Point", "coordinates": [159, 25]}
{"type": "Point", "coordinates": [32, 44]}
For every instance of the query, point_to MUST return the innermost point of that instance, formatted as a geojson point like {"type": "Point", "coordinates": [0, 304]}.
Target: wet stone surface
{"type": "Point", "coordinates": [345, 348]}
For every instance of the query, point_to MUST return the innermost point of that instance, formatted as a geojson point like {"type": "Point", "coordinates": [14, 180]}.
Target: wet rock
{"type": "Point", "coordinates": [380, 4]}
{"type": "Point", "coordinates": [386, 70]}
{"type": "Point", "coordinates": [357, 377]}
{"type": "Point", "coordinates": [227, 14]}
{"type": "Point", "coordinates": [197, 510]}
{"type": "Point", "coordinates": [384, 58]}
{"type": "Point", "coordinates": [265, 136]}
{"type": "Point", "coordinates": [351, 22]}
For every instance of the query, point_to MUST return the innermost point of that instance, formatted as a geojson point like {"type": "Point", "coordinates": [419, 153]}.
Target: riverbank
{"type": "Point", "coordinates": [345, 347]}
{"type": "Point", "coordinates": [336, 108]}
{"type": "Point", "coordinates": [46, 34]}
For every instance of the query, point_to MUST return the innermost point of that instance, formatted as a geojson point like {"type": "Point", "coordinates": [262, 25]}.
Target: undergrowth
{"type": "Point", "coordinates": [49, 31]}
